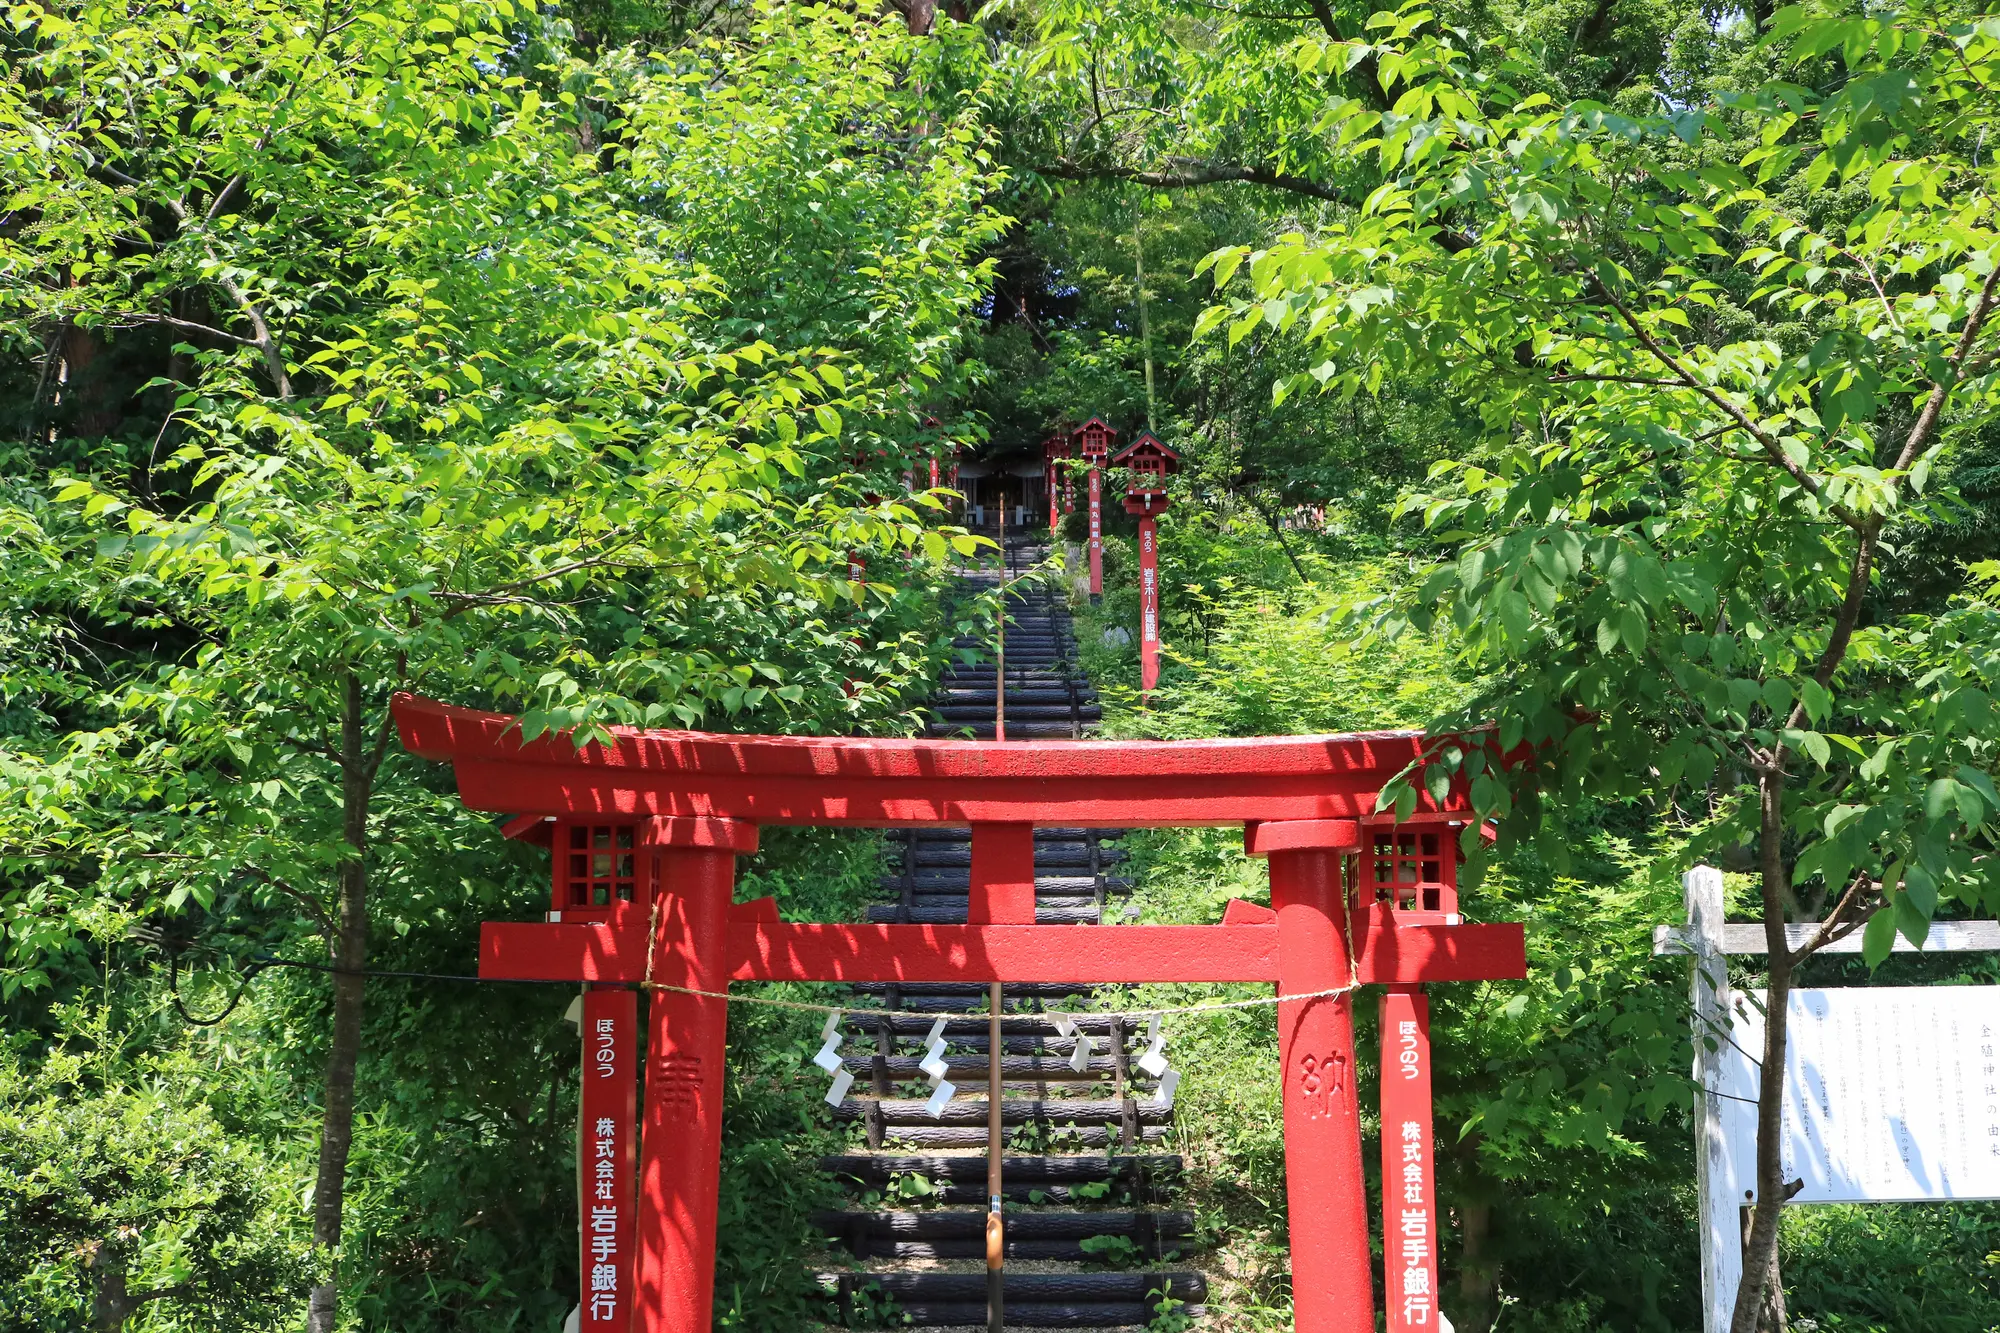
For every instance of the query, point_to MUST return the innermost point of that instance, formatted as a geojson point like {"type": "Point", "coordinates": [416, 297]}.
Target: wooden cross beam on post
{"type": "Point", "coordinates": [686, 804]}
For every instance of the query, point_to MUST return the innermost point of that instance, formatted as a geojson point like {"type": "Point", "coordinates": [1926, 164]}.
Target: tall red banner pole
{"type": "Point", "coordinates": [606, 1151]}
{"type": "Point", "coordinates": [1325, 1188]}
{"type": "Point", "coordinates": [680, 1155]}
{"type": "Point", "coordinates": [1096, 532]}
{"type": "Point", "coordinates": [1149, 604]}
{"type": "Point", "coordinates": [1409, 1166]}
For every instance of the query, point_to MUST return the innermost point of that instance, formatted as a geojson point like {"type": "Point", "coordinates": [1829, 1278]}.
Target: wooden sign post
{"type": "Point", "coordinates": [1725, 1029]}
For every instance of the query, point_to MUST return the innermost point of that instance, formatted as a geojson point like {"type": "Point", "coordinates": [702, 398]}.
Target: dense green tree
{"type": "Point", "coordinates": [1664, 545]}
{"type": "Point", "coordinates": [445, 394]}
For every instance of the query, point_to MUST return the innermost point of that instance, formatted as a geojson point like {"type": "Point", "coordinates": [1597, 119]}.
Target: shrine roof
{"type": "Point", "coordinates": [874, 780]}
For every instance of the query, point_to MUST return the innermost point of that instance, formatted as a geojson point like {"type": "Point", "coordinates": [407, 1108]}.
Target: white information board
{"type": "Point", "coordinates": [1891, 1094]}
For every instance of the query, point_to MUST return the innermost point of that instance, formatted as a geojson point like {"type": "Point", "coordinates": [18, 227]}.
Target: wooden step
{"type": "Point", "coordinates": [928, 1135]}
{"type": "Point", "coordinates": [899, 1111]}
{"type": "Point", "coordinates": [935, 914]}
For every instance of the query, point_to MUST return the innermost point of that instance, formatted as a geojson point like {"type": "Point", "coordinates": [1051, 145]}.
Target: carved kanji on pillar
{"type": "Point", "coordinates": [685, 804]}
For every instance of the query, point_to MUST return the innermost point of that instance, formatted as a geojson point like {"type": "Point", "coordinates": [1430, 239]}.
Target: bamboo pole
{"type": "Point", "coordinates": [996, 1239]}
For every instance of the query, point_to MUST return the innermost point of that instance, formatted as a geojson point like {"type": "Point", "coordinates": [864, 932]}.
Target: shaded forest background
{"type": "Point", "coordinates": [555, 360]}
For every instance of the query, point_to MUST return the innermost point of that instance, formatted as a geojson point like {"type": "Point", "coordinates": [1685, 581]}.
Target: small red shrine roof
{"type": "Point", "coordinates": [1146, 445]}
{"type": "Point", "coordinates": [895, 781]}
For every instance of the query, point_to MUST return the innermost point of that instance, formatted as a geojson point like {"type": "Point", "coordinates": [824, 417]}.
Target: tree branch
{"type": "Point", "coordinates": [1920, 433]}
{"type": "Point", "coordinates": [1836, 926]}
{"type": "Point", "coordinates": [1719, 400]}
{"type": "Point", "coordinates": [170, 321]}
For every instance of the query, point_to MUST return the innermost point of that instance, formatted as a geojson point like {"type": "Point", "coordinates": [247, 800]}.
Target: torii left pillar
{"type": "Point", "coordinates": [681, 1146]}
{"type": "Point", "coordinates": [1332, 1284]}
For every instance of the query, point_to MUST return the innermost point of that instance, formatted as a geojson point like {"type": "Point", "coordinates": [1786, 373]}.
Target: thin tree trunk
{"type": "Point", "coordinates": [1476, 1274]}
{"type": "Point", "coordinates": [350, 956]}
{"type": "Point", "coordinates": [1760, 1259]}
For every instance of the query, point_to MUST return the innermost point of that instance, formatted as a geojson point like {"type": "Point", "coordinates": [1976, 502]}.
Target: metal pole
{"type": "Point", "coordinates": [996, 1241]}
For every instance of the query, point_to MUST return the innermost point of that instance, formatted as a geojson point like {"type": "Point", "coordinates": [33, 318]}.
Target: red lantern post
{"type": "Point", "coordinates": [1093, 443]}
{"type": "Point", "coordinates": [1054, 449]}
{"type": "Point", "coordinates": [1149, 462]}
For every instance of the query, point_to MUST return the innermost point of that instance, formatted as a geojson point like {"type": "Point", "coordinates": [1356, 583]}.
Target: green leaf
{"type": "Point", "coordinates": [1878, 937]}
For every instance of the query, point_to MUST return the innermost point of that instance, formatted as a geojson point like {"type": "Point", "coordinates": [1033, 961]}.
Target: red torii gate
{"type": "Point", "coordinates": [645, 833]}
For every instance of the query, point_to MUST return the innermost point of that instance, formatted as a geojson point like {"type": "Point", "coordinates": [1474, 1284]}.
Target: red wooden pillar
{"type": "Point", "coordinates": [1146, 506]}
{"type": "Point", "coordinates": [606, 1150]}
{"type": "Point", "coordinates": [1325, 1188]}
{"type": "Point", "coordinates": [1096, 531]}
{"type": "Point", "coordinates": [1003, 875]}
{"type": "Point", "coordinates": [1409, 1168]}
{"type": "Point", "coordinates": [1149, 605]}
{"type": "Point", "coordinates": [682, 1147]}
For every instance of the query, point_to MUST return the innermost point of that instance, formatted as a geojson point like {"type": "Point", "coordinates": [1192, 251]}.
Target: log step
{"type": "Point", "coordinates": [945, 883]}
{"type": "Point", "coordinates": [971, 1031]}
{"type": "Point", "coordinates": [935, 914]}
{"type": "Point", "coordinates": [928, 1135]}
{"type": "Point", "coordinates": [899, 1111]}
{"type": "Point", "coordinates": [1028, 1288]}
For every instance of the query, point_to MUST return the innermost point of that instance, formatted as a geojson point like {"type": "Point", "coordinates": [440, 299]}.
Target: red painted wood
{"type": "Point", "coordinates": [1410, 1215]}
{"type": "Point", "coordinates": [1149, 605]}
{"type": "Point", "coordinates": [1332, 1289]}
{"type": "Point", "coordinates": [1003, 953]}
{"type": "Point", "coordinates": [1003, 875]}
{"type": "Point", "coordinates": [1096, 532]}
{"type": "Point", "coordinates": [1109, 801]}
{"type": "Point", "coordinates": [1261, 839]}
{"type": "Point", "coordinates": [1252, 765]}
{"type": "Point", "coordinates": [1237, 912]}
{"type": "Point", "coordinates": [607, 1150]}
{"type": "Point", "coordinates": [684, 1079]}
{"type": "Point", "coordinates": [762, 950]}
{"type": "Point", "coordinates": [732, 835]}
{"type": "Point", "coordinates": [763, 909]}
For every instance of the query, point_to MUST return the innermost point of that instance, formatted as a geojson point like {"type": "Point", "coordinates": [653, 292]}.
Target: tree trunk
{"type": "Point", "coordinates": [350, 956]}
{"type": "Point", "coordinates": [110, 1302]}
{"type": "Point", "coordinates": [922, 16]}
{"type": "Point", "coordinates": [1760, 1258]}
{"type": "Point", "coordinates": [1477, 1276]}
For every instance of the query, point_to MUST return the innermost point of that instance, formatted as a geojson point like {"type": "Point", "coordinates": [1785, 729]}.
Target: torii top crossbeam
{"type": "Point", "coordinates": [895, 782]}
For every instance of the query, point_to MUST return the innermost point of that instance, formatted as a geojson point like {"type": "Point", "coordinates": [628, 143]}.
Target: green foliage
{"type": "Point", "coordinates": [1873, 1268]}
{"type": "Point", "coordinates": [125, 1197]}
